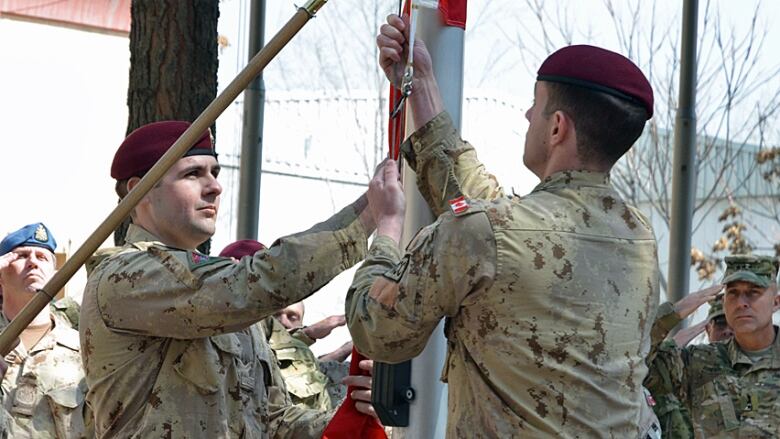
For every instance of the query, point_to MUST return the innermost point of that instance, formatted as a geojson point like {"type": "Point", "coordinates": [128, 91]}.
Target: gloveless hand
{"type": "Point", "coordinates": [386, 200]}
{"type": "Point", "coordinates": [690, 303]}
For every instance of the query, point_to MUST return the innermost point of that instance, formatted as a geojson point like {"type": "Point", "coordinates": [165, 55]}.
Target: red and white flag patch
{"type": "Point", "coordinates": [459, 205]}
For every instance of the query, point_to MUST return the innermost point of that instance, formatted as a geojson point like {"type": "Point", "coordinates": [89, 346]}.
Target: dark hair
{"type": "Point", "coordinates": [606, 126]}
{"type": "Point", "coordinates": [121, 188]}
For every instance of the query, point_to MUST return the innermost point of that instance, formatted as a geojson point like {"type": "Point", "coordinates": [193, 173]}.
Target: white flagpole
{"type": "Point", "coordinates": [428, 410]}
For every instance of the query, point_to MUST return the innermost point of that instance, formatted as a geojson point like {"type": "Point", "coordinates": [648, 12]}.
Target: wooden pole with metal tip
{"type": "Point", "coordinates": [179, 148]}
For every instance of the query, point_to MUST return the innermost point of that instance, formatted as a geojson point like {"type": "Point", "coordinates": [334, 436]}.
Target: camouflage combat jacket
{"type": "Point", "coordinates": [335, 371]}
{"type": "Point", "coordinates": [549, 299]}
{"type": "Point", "coordinates": [673, 415]}
{"type": "Point", "coordinates": [727, 395]}
{"type": "Point", "coordinates": [298, 366]}
{"type": "Point", "coordinates": [169, 341]}
{"type": "Point", "coordinates": [43, 389]}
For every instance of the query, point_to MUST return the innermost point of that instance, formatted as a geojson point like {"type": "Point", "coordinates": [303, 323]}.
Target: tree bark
{"type": "Point", "coordinates": [173, 65]}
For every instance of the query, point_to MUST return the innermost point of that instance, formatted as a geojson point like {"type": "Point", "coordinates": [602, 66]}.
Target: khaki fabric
{"type": "Point", "coordinates": [549, 298]}
{"type": "Point", "coordinates": [169, 341]}
{"type": "Point", "coordinates": [43, 389]}
{"type": "Point", "coordinates": [299, 368]}
{"type": "Point", "coordinates": [725, 392]}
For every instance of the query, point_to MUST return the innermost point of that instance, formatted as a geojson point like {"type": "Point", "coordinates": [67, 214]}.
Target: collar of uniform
{"type": "Point", "coordinates": [137, 233]}
{"type": "Point", "coordinates": [61, 334]}
{"type": "Point", "coordinates": [737, 356]}
{"type": "Point", "coordinates": [20, 352]}
{"type": "Point", "coordinates": [573, 178]}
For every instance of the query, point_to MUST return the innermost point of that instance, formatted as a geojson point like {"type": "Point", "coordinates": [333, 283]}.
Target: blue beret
{"type": "Point", "coordinates": [32, 235]}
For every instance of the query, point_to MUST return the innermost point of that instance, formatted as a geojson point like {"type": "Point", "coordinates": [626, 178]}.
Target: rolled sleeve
{"type": "Point", "coordinates": [446, 166]}
{"type": "Point", "coordinates": [447, 261]}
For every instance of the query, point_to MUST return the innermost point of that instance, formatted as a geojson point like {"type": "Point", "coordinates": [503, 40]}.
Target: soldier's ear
{"type": "Point", "coordinates": [131, 182]}
{"type": "Point", "coordinates": [776, 302]}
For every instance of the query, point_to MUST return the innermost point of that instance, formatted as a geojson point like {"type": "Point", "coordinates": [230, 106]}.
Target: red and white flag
{"type": "Point", "coordinates": [459, 205]}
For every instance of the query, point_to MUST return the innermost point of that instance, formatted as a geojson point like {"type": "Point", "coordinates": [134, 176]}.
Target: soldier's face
{"type": "Point", "coordinates": [718, 329]}
{"type": "Point", "coordinates": [291, 317]}
{"type": "Point", "coordinates": [749, 307]}
{"type": "Point", "coordinates": [182, 209]}
{"type": "Point", "coordinates": [29, 272]}
{"type": "Point", "coordinates": [535, 153]}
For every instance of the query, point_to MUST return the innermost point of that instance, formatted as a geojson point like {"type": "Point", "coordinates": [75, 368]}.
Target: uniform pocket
{"type": "Point", "coordinates": [205, 362]}
{"type": "Point", "coordinates": [60, 378]}
{"type": "Point", "coordinates": [714, 410]}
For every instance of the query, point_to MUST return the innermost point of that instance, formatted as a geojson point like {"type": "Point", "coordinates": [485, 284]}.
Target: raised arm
{"type": "Point", "coordinates": [396, 301]}
{"type": "Point", "coordinates": [186, 295]}
{"type": "Point", "coordinates": [446, 166]}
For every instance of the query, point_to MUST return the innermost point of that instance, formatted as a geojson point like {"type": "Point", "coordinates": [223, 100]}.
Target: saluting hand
{"type": "Point", "coordinates": [685, 335]}
{"type": "Point", "coordinates": [339, 354]}
{"type": "Point", "coordinates": [324, 327]}
{"type": "Point", "coordinates": [690, 303]}
{"type": "Point", "coordinates": [7, 258]}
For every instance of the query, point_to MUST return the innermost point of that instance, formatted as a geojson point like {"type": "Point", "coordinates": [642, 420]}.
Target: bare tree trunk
{"type": "Point", "coordinates": [173, 64]}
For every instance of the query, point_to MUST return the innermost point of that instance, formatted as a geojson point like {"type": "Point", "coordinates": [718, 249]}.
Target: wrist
{"type": "Point", "coordinates": [390, 227]}
{"type": "Point", "coordinates": [425, 100]}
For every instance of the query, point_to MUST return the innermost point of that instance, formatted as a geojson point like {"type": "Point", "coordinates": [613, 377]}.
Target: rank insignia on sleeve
{"type": "Point", "coordinates": [459, 205]}
{"type": "Point", "coordinates": [396, 273]}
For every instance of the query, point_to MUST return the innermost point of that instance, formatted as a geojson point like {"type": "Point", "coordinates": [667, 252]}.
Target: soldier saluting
{"type": "Point", "coordinates": [730, 387]}
{"type": "Point", "coordinates": [43, 388]}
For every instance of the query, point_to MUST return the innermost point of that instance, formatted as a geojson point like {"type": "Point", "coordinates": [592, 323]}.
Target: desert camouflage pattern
{"type": "Point", "coordinates": [727, 394]}
{"type": "Point", "coordinates": [169, 341]}
{"type": "Point", "coordinates": [43, 389]}
{"type": "Point", "coordinates": [298, 365]}
{"type": "Point", "coordinates": [549, 299]}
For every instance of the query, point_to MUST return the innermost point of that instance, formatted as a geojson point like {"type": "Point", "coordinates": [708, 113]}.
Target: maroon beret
{"type": "Point", "coordinates": [600, 70]}
{"type": "Point", "coordinates": [241, 248]}
{"type": "Point", "coordinates": [145, 145]}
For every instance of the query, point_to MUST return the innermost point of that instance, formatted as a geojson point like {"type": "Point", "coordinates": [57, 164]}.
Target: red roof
{"type": "Point", "coordinates": [99, 15]}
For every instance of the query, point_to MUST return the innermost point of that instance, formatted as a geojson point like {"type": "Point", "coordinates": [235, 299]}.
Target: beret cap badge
{"type": "Point", "coordinates": [40, 234]}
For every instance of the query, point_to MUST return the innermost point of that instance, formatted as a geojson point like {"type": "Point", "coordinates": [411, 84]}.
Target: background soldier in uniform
{"type": "Point", "coordinates": [549, 298]}
{"type": "Point", "coordinates": [333, 364]}
{"type": "Point", "coordinates": [730, 387]}
{"type": "Point", "coordinates": [291, 318]}
{"type": "Point", "coordinates": [169, 340]}
{"type": "Point", "coordinates": [674, 417]}
{"type": "Point", "coordinates": [305, 382]}
{"type": "Point", "coordinates": [43, 388]}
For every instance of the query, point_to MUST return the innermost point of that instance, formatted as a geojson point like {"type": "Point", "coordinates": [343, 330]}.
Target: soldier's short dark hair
{"type": "Point", "coordinates": [607, 126]}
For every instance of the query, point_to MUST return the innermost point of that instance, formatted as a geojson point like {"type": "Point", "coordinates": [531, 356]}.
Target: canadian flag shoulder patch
{"type": "Point", "coordinates": [459, 205]}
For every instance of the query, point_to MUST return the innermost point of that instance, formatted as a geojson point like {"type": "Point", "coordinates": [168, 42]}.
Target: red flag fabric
{"type": "Point", "coordinates": [396, 127]}
{"type": "Point", "coordinates": [453, 12]}
{"type": "Point", "coordinates": [348, 423]}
